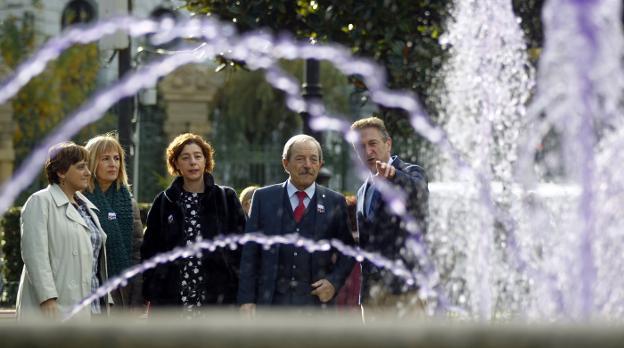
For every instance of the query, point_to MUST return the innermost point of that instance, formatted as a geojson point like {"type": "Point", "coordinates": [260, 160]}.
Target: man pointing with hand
{"type": "Point", "coordinates": [380, 230]}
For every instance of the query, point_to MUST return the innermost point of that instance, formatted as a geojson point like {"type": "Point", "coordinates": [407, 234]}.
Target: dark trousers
{"type": "Point", "coordinates": [295, 300]}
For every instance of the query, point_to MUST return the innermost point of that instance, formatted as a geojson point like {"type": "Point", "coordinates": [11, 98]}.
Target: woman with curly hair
{"type": "Point", "coordinates": [192, 209]}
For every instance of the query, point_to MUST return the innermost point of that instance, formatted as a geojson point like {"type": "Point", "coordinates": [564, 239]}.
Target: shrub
{"type": "Point", "coordinates": [144, 208]}
{"type": "Point", "coordinates": [12, 260]}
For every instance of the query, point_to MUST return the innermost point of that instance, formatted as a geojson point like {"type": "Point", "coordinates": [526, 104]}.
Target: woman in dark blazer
{"type": "Point", "coordinates": [193, 208]}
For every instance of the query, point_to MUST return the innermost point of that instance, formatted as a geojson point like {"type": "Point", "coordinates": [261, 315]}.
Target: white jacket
{"type": "Point", "coordinates": [57, 253]}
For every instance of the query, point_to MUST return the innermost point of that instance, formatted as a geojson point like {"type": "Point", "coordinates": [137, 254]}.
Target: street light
{"type": "Point", "coordinates": [311, 92]}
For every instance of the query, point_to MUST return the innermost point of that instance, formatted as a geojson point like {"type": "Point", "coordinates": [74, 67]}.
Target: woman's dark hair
{"type": "Point", "coordinates": [61, 157]}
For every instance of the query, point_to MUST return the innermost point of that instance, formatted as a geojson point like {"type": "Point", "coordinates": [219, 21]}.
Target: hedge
{"type": "Point", "coordinates": [12, 260]}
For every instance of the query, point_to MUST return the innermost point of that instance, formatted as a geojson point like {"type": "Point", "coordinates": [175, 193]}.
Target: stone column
{"type": "Point", "coordinates": [7, 130]}
{"type": "Point", "coordinates": [187, 93]}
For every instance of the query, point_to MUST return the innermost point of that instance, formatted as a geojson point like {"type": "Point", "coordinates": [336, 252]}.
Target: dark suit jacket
{"type": "Point", "coordinates": [259, 266]}
{"type": "Point", "coordinates": [383, 232]}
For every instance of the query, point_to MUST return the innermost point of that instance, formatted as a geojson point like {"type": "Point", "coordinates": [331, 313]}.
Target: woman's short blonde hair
{"type": "Point", "coordinates": [177, 145]}
{"type": "Point", "coordinates": [101, 144]}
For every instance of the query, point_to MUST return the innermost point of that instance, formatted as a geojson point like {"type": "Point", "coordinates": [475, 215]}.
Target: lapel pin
{"type": "Point", "coordinates": [320, 208]}
{"type": "Point", "coordinates": [112, 215]}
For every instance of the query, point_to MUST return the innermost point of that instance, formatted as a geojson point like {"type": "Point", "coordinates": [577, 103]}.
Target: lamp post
{"type": "Point", "coordinates": [312, 92]}
{"type": "Point", "coordinates": [125, 106]}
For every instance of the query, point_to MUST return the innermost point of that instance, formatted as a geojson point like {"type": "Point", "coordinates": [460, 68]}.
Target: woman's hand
{"type": "Point", "coordinates": [49, 308]}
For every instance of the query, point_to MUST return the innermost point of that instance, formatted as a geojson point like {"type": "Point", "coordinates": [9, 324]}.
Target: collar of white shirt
{"type": "Point", "coordinates": [292, 190]}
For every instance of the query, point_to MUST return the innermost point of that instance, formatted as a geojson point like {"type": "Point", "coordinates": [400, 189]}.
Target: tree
{"type": "Point", "coordinates": [401, 35]}
{"type": "Point", "coordinates": [49, 97]}
{"type": "Point", "coordinates": [529, 12]}
{"type": "Point", "coordinates": [252, 122]}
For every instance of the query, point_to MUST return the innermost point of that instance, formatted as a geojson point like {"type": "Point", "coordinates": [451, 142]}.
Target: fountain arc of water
{"type": "Point", "coordinates": [403, 100]}
{"type": "Point", "coordinates": [419, 119]}
{"type": "Point", "coordinates": [586, 139]}
{"type": "Point", "coordinates": [104, 100]}
{"type": "Point", "coordinates": [373, 75]}
{"type": "Point", "coordinates": [77, 34]}
{"type": "Point", "coordinates": [209, 29]}
{"type": "Point", "coordinates": [366, 67]}
{"type": "Point", "coordinates": [232, 241]}
{"type": "Point", "coordinates": [90, 112]}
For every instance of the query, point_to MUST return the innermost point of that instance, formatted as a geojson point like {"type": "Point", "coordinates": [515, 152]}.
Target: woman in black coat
{"type": "Point", "coordinates": [193, 208]}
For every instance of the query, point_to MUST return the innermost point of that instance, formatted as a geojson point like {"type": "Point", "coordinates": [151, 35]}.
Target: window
{"type": "Point", "coordinates": [77, 11]}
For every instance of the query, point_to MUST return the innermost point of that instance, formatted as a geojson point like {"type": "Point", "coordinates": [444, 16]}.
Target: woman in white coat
{"type": "Point", "coordinates": [62, 242]}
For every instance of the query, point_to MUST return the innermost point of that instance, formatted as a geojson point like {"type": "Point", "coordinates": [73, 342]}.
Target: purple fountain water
{"type": "Point", "coordinates": [580, 76]}
{"type": "Point", "coordinates": [232, 241]}
{"type": "Point", "coordinates": [487, 81]}
{"type": "Point", "coordinates": [504, 244]}
{"type": "Point", "coordinates": [555, 256]}
{"type": "Point", "coordinates": [262, 51]}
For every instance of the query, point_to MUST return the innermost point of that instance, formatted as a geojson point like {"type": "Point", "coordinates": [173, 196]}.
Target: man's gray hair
{"type": "Point", "coordinates": [300, 138]}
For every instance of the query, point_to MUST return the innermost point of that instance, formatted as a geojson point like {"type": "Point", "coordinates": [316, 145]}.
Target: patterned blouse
{"type": "Point", "coordinates": [192, 286]}
{"type": "Point", "coordinates": [96, 242]}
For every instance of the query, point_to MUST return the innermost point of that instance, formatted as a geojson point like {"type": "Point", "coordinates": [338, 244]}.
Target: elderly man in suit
{"type": "Point", "coordinates": [287, 275]}
{"type": "Point", "coordinates": [379, 229]}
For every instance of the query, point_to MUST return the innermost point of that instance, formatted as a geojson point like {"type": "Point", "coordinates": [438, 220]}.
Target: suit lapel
{"type": "Point", "coordinates": [398, 164]}
{"type": "Point", "coordinates": [321, 211]}
{"type": "Point", "coordinates": [61, 199]}
{"type": "Point", "coordinates": [285, 210]}
{"type": "Point", "coordinates": [74, 215]}
{"type": "Point", "coordinates": [284, 202]}
{"type": "Point", "coordinates": [279, 219]}
{"type": "Point", "coordinates": [360, 198]}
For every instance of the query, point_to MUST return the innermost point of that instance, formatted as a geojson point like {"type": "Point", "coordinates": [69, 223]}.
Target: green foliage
{"type": "Point", "coordinates": [529, 12]}
{"type": "Point", "coordinates": [250, 111]}
{"type": "Point", "coordinates": [49, 97]}
{"type": "Point", "coordinates": [251, 122]}
{"type": "Point", "coordinates": [401, 35]}
{"type": "Point", "coordinates": [144, 209]}
{"type": "Point", "coordinates": [12, 260]}
{"type": "Point", "coordinates": [153, 142]}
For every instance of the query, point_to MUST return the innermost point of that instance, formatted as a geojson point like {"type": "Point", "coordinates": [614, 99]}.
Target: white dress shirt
{"type": "Point", "coordinates": [292, 194]}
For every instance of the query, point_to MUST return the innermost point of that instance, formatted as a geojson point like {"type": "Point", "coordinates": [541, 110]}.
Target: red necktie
{"type": "Point", "coordinates": [301, 207]}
